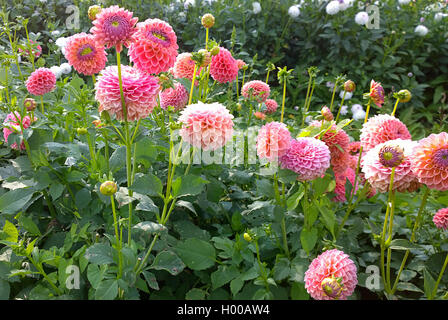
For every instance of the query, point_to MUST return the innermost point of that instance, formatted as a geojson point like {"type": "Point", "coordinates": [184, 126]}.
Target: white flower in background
{"type": "Point", "coordinates": [55, 33]}
{"type": "Point", "coordinates": [43, 1]}
{"type": "Point", "coordinates": [348, 95]}
{"type": "Point", "coordinates": [57, 71]}
{"type": "Point", "coordinates": [294, 11]}
{"type": "Point", "coordinates": [188, 3]}
{"type": "Point", "coordinates": [359, 115]}
{"type": "Point", "coordinates": [61, 42]}
{"type": "Point", "coordinates": [344, 110]}
{"type": "Point", "coordinates": [182, 14]}
{"type": "Point", "coordinates": [361, 18]}
{"type": "Point", "coordinates": [403, 2]}
{"type": "Point", "coordinates": [421, 30]}
{"type": "Point", "coordinates": [330, 85]}
{"type": "Point", "coordinates": [356, 107]}
{"type": "Point", "coordinates": [256, 7]}
{"type": "Point", "coordinates": [332, 8]}
{"type": "Point", "coordinates": [19, 58]}
{"type": "Point", "coordinates": [308, 119]}
{"type": "Point", "coordinates": [439, 16]}
{"type": "Point", "coordinates": [66, 68]}
{"type": "Point", "coordinates": [343, 5]}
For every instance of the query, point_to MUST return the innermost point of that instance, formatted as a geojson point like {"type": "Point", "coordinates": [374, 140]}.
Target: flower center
{"type": "Point", "coordinates": [441, 158]}
{"type": "Point", "coordinates": [116, 26]}
{"type": "Point", "coordinates": [86, 51]}
{"type": "Point", "coordinates": [159, 36]}
{"type": "Point", "coordinates": [391, 156]}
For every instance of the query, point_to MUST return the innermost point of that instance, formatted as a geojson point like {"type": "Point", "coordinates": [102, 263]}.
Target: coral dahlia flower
{"type": "Point", "coordinates": [41, 81]}
{"type": "Point", "coordinates": [440, 219]}
{"type": "Point", "coordinates": [184, 66]}
{"type": "Point", "coordinates": [273, 141]}
{"type": "Point", "coordinates": [84, 54]}
{"type": "Point", "coordinates": [223, 68]}
{"type": "Point", "coordinates": [257, 90]}
{"type": "Point", "coordinates": [176, 97]}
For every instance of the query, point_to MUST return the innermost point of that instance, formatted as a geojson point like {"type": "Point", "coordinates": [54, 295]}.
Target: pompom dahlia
{"type": "Point", "coordinates": [184, 66]}
{"type": "Point", "coordinates": [206, 126]}
{"type": "Point", "coordinates": [376, 93]}
{"type": "Point", "coordinates": [140, 92]}
{"type": "Point", "coordinates": [154, 49]}
{"type": "Point", "coordinates": [382, 128]}
{"type": "Point", "coordinates": [440, 219]}
{"type": "Point", "coordinates": [41, 81]}
{"type": "Point", "coordinates": [271, 105]}
{"type": "Point", "coordinates": [341, 179]}
{"type": "Point", "coordinates": [430, 161]}
{"type": "Point", "coordinates": [324, 270]}
{"type": "Point", "coordinates": [12, 124]}
{"type": "Point", "coordinates": [176, 97]}
{"type": "Point", "coordinates": [378, 174]}
{"type": "Point", "coordinates": [308, 157]}
{"type": "Point", "coordinates": [114, 27]}
{"type": "Point", "coordinates": [84, 54]}
{"type": "Point", "coordinates": [223, 68]}
{"type": "Point", "coordinates": [257, 90]}
{"type": "Point", "coordinates": [273, 141]}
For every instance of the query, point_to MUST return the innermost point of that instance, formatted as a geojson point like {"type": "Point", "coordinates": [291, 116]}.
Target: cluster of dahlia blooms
{"type": "Point", "coordinates": [12, 124]}
{"type": "Point", "coordinates": [36, 50]}
{"type": "Point", "coordinates": [259, 91]}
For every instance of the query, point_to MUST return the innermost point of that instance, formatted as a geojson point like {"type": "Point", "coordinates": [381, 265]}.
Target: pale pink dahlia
{"type": "Point", "coordinates": [430, 161]}
{"type": "Point", "coordinates": [273, 141]}
{"type": "Point", "coordinates": [271, 105]}
{"type": "Point", "coordinates": [308, 157]}
{"type": "Point", "coordinates": [184, 66]}
{"type": "Point", "coordinates": [382, 128]}
{"type": "Point", "coordinates": [114, 27]}
{"type": "Point", "coordinates": [84, 54]}
{"type": "Point", "coordinates": [206, 126]}
{"type": "Point", "coordinates": [327, 267]}
{"type": "Point", "coordinates": [41, 81]}
{"type": "Point", "coordinates": [176, 97]}
{"type": "Point", "coordinates": [12, 124]}
{"type": "Point", "coordinates": [140, 92]}
{"type": "Point", "coordinates": [441, 219]}
{"type": "Point", "coordinates": [223, 68]}
{"type": "Point", "coordinates": [341, 179]}
{"type": "Point", "coordinates": [155, 47]}
{"type": "Point", "coordinates": [257, 90]}
{"type": "Point", "coordinates": [377, 170]}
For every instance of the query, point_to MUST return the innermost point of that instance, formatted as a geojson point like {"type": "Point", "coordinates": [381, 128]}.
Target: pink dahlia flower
{"type": "Point", "coordinates": [241, 64]}
{"type": "Point", "coordinates": [257, 90]}
{"type": "Point", "coordinates": [36, 50]}
{"type": "Point", "coordinates": [155, 47]}
{"type": "Point", "coordinates": [176, 97]}
{"type": "Point", "coordinates": [376, 93]}
{"type": "Point", "coordinates": [377, 171]}
{"type": "Point", "coordinates": [140, 92]}
{"type": "Point", "coordinates": [114, 27]}
{"type": "Point", "coordinates": [273, 141]}
{"type": "Point", "coordinates": [308, 157]}
{"type": "Point", "coordinates": [206, 126]}
{"type": "Point", "coordinates": [382, 128]}
{"type": "Point", "coordinates": [41, 81]}
{"type": "Point", "coordinates": [271, 105]}
{"type": "Point", "coordinates": [184, 67]}
{"type": "Point", "coordinates": [341, 179]}
{"type": "Point", "coordinates": [332, 264]}
{"type": "Point", "coordinates": [223, 68]}
{"type": "Point", "coordinates": [441, 219]}
{"type": "Point", "coordinates": [84, 54]}
{"type": "Point", "coordinates": [12, 124]}
{"type": "Point", "coordinates": [430, 161]}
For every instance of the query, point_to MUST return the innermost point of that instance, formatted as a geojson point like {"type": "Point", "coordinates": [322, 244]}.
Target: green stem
{"type": "Point", "coordinates": [42, 272]}
{"type": "Point", "coordinates": [140, 266]}
{"type": "Point", "coordinates": [42, 104]}
{"type": "Point", "coordinates": [283, 100]}
{"type": "Point", "coordinates": [395, 107]}
{"type": "Point", "coordinates": [267, 76]}
{"type": "Point", "coordinates": [192, 83]}
{"type": "Point", "coordinates": [340, 107]}
{"type": "Point", "coordinates": [434, 292]}
{"type": "Point", "coordinates": [262, 270]}
{"type": "Point", "coordinates": [334, 92]}
{"type": "Point", "coordinates": [120, 260]}
{"type": "Point", "coordinates": [206, 38]}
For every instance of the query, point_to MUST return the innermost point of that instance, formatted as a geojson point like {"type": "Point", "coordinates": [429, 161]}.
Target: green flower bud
{"type": "Point", "coordinates": [208, 20]}
{"type": "Point", "coordinates": [29, 104]}
{"type": "Point", "coordinates": [247, 237]}
{"type": "Point", "coordinates": [108, 188]}
{"type": "Point", "coordinates": [349, 86]}
{"type": "Point", "coordinates": [81, 131]}
{"type": "Point", "coordinates": [93, 11]}
{"type": "Point", "coordinates": [214, 51]}
{"type": "Point", "coordinates": [404, 95]}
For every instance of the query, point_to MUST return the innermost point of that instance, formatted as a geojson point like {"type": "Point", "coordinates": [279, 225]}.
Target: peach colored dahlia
{"type": "Point", "coordinates": [11, 124]}
{"type": "Point", "coordinates": [84, 54]}
{"type": "Point", "coordinates": [271, 105]}
{"type": "Point", "coordinates": [176, 97]}
{"type": "Point", "coordinates": [223, 68]}
{"type": "Point", "coordinates": [440, 219]}
{"type": "Point", "coordinates": [273, 141]}
{"type": "Point", "coordinates": [206, 126]}
{"type": "Point", "coordinates": [41, 81]}
{"type": "Point", "coordinates": [332, 264]}
{"type": "Point", "coordinates": [184, 66]}
{"type": "Point", "coordinates": [259, 115]}
{"type": "Point", "coordinates": [257, 90]}
{"type": "Point", "coordinates": [140, 92]}
{"type": "Point", "coordinates": [430, 161]}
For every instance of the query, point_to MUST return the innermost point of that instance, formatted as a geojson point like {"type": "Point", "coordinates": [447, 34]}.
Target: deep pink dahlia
{"type": "Point", "coordinates": [155, 47]}
{"type": "Point", "coordinates": [11, 124]}
{"type": "Point", "coordinates": [223, 68]}
{"type": "Point", "coordinates": [382, 128]}
{"type": "Point", "coordinates": [271, 105]}
{"type": "Point", "coordinates": [140, 92]}
{"type": "Point", "coordinates": [206, 126]}
{"type": "Point", "coordinates": [308, 157]}
{"type": "Point", "coordinates": [332, 264]}
{"type": "Point", "coordinates": [257, 90]}
{"type": "Point", "coordinates": [84, 54]}
{"type": "Point", "coordinates": [184, 67]}
{"type": "Point", "coordinates": [441, 219]}
{"type": "Point", "coordinates": [273, 141]}
{"type": "Point", "coordinates": [430, 161]}
{"type": "Point", "coordinates": [176, 97]}
{"type": "Point", "coordinates": [114, 27]}
{"type": "Point", "coordinates": [41, 81]}
{"type": "Point", "coordinates": [378, 174]}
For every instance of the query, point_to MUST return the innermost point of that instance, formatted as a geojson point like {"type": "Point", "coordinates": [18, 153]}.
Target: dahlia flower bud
{"type": "Point", "coordinates": [391, 156]}
{"type": "Point", "coordinates": [97, 123]}
{"type": "Point", "coordinates": [332, 287]}
{"type": "Point", "coordinates": [247, 237]}
{"type": "Point", "coordinates": [29, 104]}
{"type": "Point", "coordinates": [326, 113]}
{"type": "Point", "coordinates": [404, 95]}
{"type": "Point", "coordinates": [208, 20]}
{"type": "Point", "coordinates": [108, 188]}
{"type": "Point", "coordinates": [239, 107]}
{"type": "Point", "coordinates": [214, 51]}
{"type": "Point", "coordinates": [260, 115]}
{"type": "Point", "coordinates": [93, 11]}
{"type": "Point", "coordinates": [205, 58]}
{"type": "Point", "coordinates": [349, 86]}
{"type": "Point", "coordinates": [81, 131]}
{"type": "Point", "coordinates": [376, 93]}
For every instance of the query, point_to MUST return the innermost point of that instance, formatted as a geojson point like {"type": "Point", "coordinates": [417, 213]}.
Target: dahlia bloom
{"type": "Point", "coordinates": [382, 128]}
{"type": "Point", "coordinates": [184, 66]}
{"type": "Point", "coordinates": [11, 124]}
{"type": "Point", "coordinates": [37, 51]}
{"type": "Point", "coordinates": [273, 141]}
{"type": "Point", "coordinates": [378, 174]}
{"type": "Point", "coordinates": [154, 49]}
{"type": "Point", "coordinates": [341, 179]}
{"type": "Point", "coordinates": [440, 219]}
{"type": "Point", "coordinates": [259, 115]}
{"type": "Point", "coordinates": [140, 92]}
{"type": "Point", "coordinates": [41, 81]}
{"type": "Point", "coordinates": [271, 105]}
{"type": "Point", "coordinates": [336, 139]}
{"type": "Point", "coordinates": [223, 68]}
{"type": "Point", "coordinates": [257, 90]}
{"type": "Point", "coordinates": [430, 161]}
{"type": "Point", "coordinates": [308, 157]}
{"type": "Point", "coordinates": [241, 64]}
{"type": "Point", "coordinates": [206, 126]}
{"type": "Point", "coordinates": [176, 97]}
{"type": "Point", "coordinates": [376, 93]}
{"type": "Point", "coordinates": [331, 264]}
{"type": "Point", "coordinates": [84, 54]}
{"type": "Point", "coordinates": [114, 27]}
